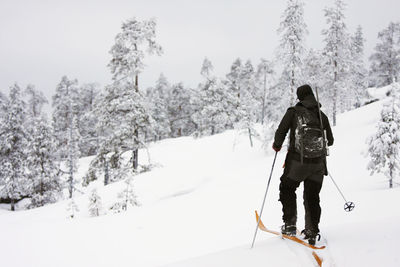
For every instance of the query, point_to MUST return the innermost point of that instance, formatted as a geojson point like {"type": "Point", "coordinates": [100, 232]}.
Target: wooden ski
{"type": "Point", "coordinates": [262, 227]}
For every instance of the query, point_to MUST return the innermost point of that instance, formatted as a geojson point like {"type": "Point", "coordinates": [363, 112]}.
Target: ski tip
{"type": "Point", "coordinates": [317, 258]}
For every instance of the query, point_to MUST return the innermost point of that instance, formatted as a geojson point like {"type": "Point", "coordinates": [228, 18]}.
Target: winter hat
{"type": "Point", "coordinates": [304, 91]}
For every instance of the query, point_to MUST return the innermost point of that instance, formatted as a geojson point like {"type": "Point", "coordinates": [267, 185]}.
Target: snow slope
{"type": "Point", "coordinates": [197, 209]}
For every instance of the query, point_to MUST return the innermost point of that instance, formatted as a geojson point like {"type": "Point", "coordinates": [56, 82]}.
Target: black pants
{"type": "Point", "coordinates": [312, 176]}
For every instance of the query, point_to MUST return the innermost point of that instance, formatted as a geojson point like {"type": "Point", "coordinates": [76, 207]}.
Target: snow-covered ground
{"type": "Point", "coordinates": [197, 209]}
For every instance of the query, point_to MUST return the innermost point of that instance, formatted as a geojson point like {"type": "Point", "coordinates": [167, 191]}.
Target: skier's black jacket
{"type": "Point", "coordinates": [289, 122]}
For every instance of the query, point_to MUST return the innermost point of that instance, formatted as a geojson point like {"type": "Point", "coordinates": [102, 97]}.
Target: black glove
{"type": "Point", "coordinates": [277, 149]}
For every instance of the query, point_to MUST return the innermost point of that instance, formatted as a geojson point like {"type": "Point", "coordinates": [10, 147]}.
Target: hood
{"type": "Point", "coordinates": [309, 102]}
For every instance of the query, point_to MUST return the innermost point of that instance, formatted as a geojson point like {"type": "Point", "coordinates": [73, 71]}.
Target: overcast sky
{"type": "Point", "coordinates": [40, 41]}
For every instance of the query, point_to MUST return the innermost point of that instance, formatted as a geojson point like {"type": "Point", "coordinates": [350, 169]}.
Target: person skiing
{"type": "Point", "coordinates": [305, 161]}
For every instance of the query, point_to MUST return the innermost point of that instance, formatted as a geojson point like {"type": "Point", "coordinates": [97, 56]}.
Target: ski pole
{"type": "Point", "coordinates": [325, 149]}
{"type": "Point", "coordinates": [348, 205]}
{"type": "Point", "coordinates": [265, 196]}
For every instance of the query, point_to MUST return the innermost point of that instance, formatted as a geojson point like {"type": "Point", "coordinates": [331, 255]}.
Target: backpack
{"type": "Point", "coordinates": [308, 135]}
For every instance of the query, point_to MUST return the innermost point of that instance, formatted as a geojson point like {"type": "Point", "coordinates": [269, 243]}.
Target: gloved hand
{"type": "Point", "coordinates": [277, 149]}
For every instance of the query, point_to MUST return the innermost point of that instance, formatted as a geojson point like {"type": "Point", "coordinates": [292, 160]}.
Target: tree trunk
{"type": "Point", "coordinates": [263, 102]}
{"type": "Point", "coordinates": [251, 140]}
{"type": "Point", "coordinates": [71, 167]}
{"type": "Point", "coordinates": [335, 93]}
{"type": "Point", "coordinates": [135, 153]}
{"type": "Point", "coordinates": [12, 204]}
{"type": "Point", "coordinates": [137, 84]}
{"type": "Point", "coordinates": [292, 84]}
{"type": "Point", "coordinates": [106, 174]}
{"type": "Point", "coordinates": [127, 196]}
{"type": "Point", "coordinates": [135, 159]}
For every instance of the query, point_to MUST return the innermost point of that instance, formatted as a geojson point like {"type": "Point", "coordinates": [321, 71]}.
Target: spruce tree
{"type": "Point", "coordinates": [233, 84]}
{"type": "Point", "coordinates": [157, 99]}
{"type": "Point", "coordinates": [215, 106]}
{"type": "Point", "coordinates": [3, 100]}
{"type": "Point", "coordinates": [66, 127]}
{"type": "Point", "coordinates": [127, 196]}
{"type": "Point", "coordinates": [264, 80]}
{"type": "Point", "coordinates": [314, 69]}
{"type": "Point", "coordinates": [65, 109]}
{"type": "Point", "coordinates": [337, 55]}
{"type": "Point", "coordinates": [180, 111]}
{"type": "Point", "coordinates": [248, 103]}
{"type": "Point", "coordinates": [242, 87]}
{"type": "Point", "coordinates": [72, 153]}
{"type": "Point", "coordinates": [293, 31]}
{"type": "Point", "coordinates": [384, 145]}
{"type": "Point", "coordinates": [72, 208]}
{"type": "Point", "coordinates": [358, 73]}
{"type": "Point", "coordinates": [385, 61]}
{"type": "Point", "coordinates": [87, 119]}
{"type": "Point", "coordinates": [14, 139]}
{"type": "Point", "coordinates": [45, 185]}
{"type": "Point", "coordinates": [95, 204]}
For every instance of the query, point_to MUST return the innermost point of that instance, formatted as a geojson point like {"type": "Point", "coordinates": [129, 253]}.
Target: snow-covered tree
{"type": "Point", "coordinates": [315, 73]}
{"type": "Point", "coordinates": [126, 198]}
{"type": "Point", "coordinates": [121, 116]}
{"type": "Point", "coordinates": [293, 31]}
{"type": "Point", "coordinates": [233, 84]}
{"type": "Point", "coordinates": [180, 111]}
{"type": "Point", "coordinates": [358, 73]}
{"type": "Point", "coordinates": [88, 96]}
{"type": "Point", "coordinates": [3, 107]}
{"type": "Point", "coordinates": [385, 61]}
{"type": "Point", "coordinates": [72, 208]}
{"type": "Point", "coordinates": [277, 102]}
{"type": "Point", "coordinates": [44, 169]}
{"type": "Point", "coordinates": [338, 56]}
{"type": "Point", "coordinates": [215, 103]}
{"type": "Point", "coordinates": [72, 153]}
{"type": "Point", "coordinates": [314, 69]}
{"type": "Point", "coordinates": [14, 139]}
{"type": "Point", "coordinates": [36, 101]}
{"type": "Point", "coordinates": [242, 87]}
{"type": "Point", "coordinates": [157, 99]}
{"type": "Point", "coordinates": [66, 127]}
{"type": "Point", "coordinates": [384, 145]}
{"type": "Point", "coordinates": [65, 106]}
{"type": "Point", "coordinates": [128, 53]}
{"type": "Point", "coordinates": [44, 184]}
{"type": "Point", "coordinates": [95, 204]}
{"type": "Point", "coordinates": [3, 99]}
{"type": "Point", "coordinates": [265, 80]}
{"type": "Point", "coordinates": [248, 101]}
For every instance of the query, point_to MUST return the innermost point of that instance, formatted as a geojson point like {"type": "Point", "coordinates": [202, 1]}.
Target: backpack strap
{"type": "Point", "coordinates": [298, 111]}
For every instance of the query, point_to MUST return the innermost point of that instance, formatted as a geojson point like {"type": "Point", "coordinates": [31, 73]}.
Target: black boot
{"type": "Point", "coordinates": [288, 229]}
{"type": "Point", "coordinates": [311, 236]}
